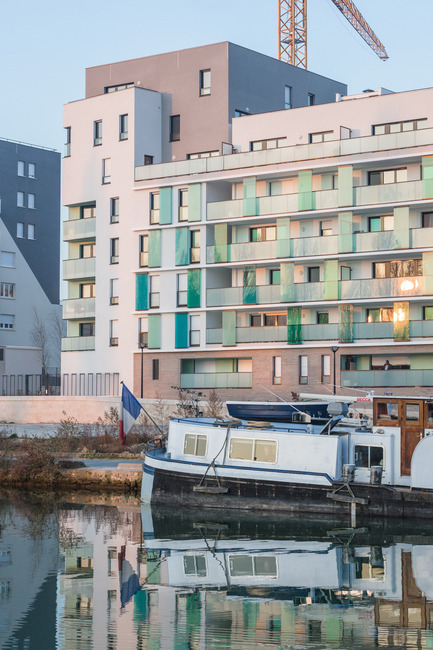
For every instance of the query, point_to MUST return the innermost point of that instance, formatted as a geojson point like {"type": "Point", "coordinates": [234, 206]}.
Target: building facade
{"type": "Point", "coordinates": [29, 264]}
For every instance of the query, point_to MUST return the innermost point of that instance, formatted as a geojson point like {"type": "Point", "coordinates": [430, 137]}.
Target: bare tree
{"type": "Point", "coordinates": [39, 336]}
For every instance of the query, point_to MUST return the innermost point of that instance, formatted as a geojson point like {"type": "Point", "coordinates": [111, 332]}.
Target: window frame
{"type": "Point", "coordinates": [97, 133]}
{"type": "Point", "coordinates": [114, 209]}
{"type": "Point", "coordinates": [175, 128]}
{"type": "Point", "coordinates": [123, 126]}
{"type": "Point", "coordinates": [205, 90]}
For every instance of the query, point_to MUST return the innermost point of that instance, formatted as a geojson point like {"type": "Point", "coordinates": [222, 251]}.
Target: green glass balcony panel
{"type": "Point", "coordinates": [326, 199]}
{"type": "Point", "coordinates": [287, 286]}
{"type": "Point", "coordinates": [382, 288]}
{"type": "Point", "coordinates": [308, 291]}
{"type": "Point", "coordinates": [78, 343]}
{"type": "Point", "coordinates": [222, 250]}
{"type": "Point", "coordinates": [214, 336]}
{"type": "Point", "coordinates": [323, 332]}
{"type": "Point", "coordinates": [401, 227]}
{"type": "Point", "coordinates": [194, 288]}
{"type": "Point", "coordinates": [427, 177]}
{"type": "Point", "coordinates": [294, 327]}
{"type": "Point", "coordinates": [306, 246]}
{"type": "Point", "coordinates": [261, 334]}
{"type": "Point", "coordinates": [372, 331]}
{"type": "Point", "coordinates": [154, 248]}
{"type": "Point", "coordinates": [421, 237]}
{"type": "Point", "coordinates": [283, 237]}
{"type": "Point", "coordinates": [229, 328]}
{"type": "Point", "coordinates": [305, 191]}
{"type": "Point", "coordinates": [225, 209]}
{"type": "Point", "coordinates": [249, 194]}
{"type": "Point", "coordinates": [331, 285]}
{"type": "Point", "coordinates": [181, 330]}
{"type": "Point", "coordinates": [345, 232]}
{"type": "Point", "coordinates": [421, 362]}
{"type": "Point", "coordinates": [280, 204]}
{"type": "Point", "coordinates": [389, 193]}
{"type": "Point", "coordinates": [401, 321]}
{"type": "Point", "coordinates": [154, 336]}
{"type": "Point", "coordinates": [249, 286]}
{"type": "Point", "coordinates": [421, 328]}
{"type": "Point", "coordinates": [427, 269]}
{"type": "Point", "coordinates": [194, 202]}
{"type": "Point", "coordinates": [216, 380]}
{"type": "Point", "coordinates": [385, 378]}
{"type": "Point", "coordinates": [141, 291]}
{"type": "Point", "coordinates": [345, 323]}
{"type": "Point", "coordinates": [77, 308]}
{"type": "Point", "coordinates": [259, 250]}
{"type": "Point", "coordinates": [79, 229]}
{"type": "Point", "coordinates": [79, 269]}
{"type": "Point", "coordinates": [165, 205]}
{"type": "Point", "coordinates": [374, 241]}
{"type": "Point", "coordinates": [182, 247]}
{"type": "Point", "coordinates": [345, 186]}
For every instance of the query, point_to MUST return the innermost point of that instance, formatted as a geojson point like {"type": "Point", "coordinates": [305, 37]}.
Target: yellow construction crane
{"type": "Point", "coordinates": [292, 30]}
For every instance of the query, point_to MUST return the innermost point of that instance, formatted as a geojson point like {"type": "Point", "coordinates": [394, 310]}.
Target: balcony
{"type": "Point", "coordinates": [381, 288]}
{"type": "Point", "coordinates": [306, 246]}
{"type": "Point", "coordinates": [373, 331]}
{"type": "Point", "coordinates": [421, 237]}
{"type": "Point", "coordinates": [280, 204]}
{"type": "Point", "coordinates": [226, 296]}
{"type": "Point", "coordinates": [79, 269]}
{"type": "Point", "coordinates": [79, 230]}
{"type": "Point", "coordinates": [385, 378]}
{"type": "Point", "coordinates": [309, 291]}
{"type": "Point", "coordinates": [225, 209]}
{"type": "Point", "coordinates": [389, 193]}
{"type": "Point", "coordinates": [79, 308]}
{"type": "Point", "coordinates": [78, 343]}
{"type": "Point", "coordinates": [268, 334]}
{"type": "Point", "coordinates": [320, 332]}
{"type": "Point", "coordinates": [216, 380]}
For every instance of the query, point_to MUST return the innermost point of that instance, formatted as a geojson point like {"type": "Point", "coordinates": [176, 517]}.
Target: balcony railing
{"type": "Point", "coordinates": [78, 343]}
{"type": "Point", "coordinates": [385, 378]}
{"type": "Point", "coordinates": [79, 308]}
{"type": "Point", "coordinates": [216, 380]}
{"type": "Point", "coordinates": [79, 269]}
{"type": "Point", "coordinates": [225, 296]}
{"type": "Point", "coordinates": [79, 229]}
{"type": "Point", "coordinates": [381, 288]}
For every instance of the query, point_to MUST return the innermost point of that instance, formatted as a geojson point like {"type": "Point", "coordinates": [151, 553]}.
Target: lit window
{"type": "Point", "coordinates": [31, 201]}
{"type": "Point", "coordinates": [123, 127]}
{"type": "Point", "coordinates": [204, 82]}
{"type": "Point", "coordinates": [21, 168]}
{"type": "Point", "coordinates": [114, 250]}
{"type": "Point", "coordinates": [32, 170]}
{"type": "Point", "coordinates": [20, 230]}
{"type": "Point", "coordinates": [31, 231]}
{"type": "Point", "coordinates": [380, 315]}
{"type": "Point", "coordinates": [20, 199]}
{"type": "Point", "coordinates": [114, 210]}
{"type": "Point", "coordinates": [174, 128]}
{"type": "Point", "coordinates": [397, 269]}
{"type": "Point", "coordinates": [97, 133]}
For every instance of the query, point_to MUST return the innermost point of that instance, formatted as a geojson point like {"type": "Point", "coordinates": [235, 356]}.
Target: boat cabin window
{"type": "Point", "coordinates": [368, 456]}
{"type": "Point", "coordinates": [195, 444]}
{"type": "Point", "coordinates": [429, 422]}
{"type": "Point", "coordinates": [194, 565]}
{"type": "Point", "coordinates": [412, 412]}
{"type": "Point", "coordinates": [264, 451]}
{"type": "Point", "coordinates": [388, 411]}
{"type": "Point", "coordinates": [253, 565]}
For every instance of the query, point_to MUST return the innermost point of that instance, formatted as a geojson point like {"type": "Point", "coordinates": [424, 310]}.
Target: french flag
{"type": "Point", "coordinates": [131, 408]}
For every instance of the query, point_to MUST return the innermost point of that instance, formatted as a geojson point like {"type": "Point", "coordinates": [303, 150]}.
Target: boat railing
{"type": "Point", "coordinates": [155, 444]}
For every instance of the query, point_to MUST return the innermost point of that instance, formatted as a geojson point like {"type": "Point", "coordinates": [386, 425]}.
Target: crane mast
{"type": "Point", "coordinates": [292, 30]}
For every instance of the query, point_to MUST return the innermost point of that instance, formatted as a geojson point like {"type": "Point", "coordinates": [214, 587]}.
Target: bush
{"type": "Point", "coordinates": [34, 461]}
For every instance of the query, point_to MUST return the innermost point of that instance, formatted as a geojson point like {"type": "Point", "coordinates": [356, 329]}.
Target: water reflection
{"type": "Point", "coordinates": [117, 576]}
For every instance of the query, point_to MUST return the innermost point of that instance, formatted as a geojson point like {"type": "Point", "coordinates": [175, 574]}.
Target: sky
{"type": "Point", "coordinates": [45, 47]}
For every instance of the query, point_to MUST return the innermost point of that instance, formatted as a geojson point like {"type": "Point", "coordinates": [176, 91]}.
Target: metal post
{"type": "Point", "coordinates": [141, 346]}
{"type": "Point", "coordinates": [334, 351]}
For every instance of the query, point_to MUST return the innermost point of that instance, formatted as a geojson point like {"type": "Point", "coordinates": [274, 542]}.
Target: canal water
{"type": "Point", "coordinates": [80, 575]}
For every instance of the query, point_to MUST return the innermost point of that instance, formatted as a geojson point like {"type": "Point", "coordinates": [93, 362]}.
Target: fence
{"type": "Point", "coordinates": [43, 384]}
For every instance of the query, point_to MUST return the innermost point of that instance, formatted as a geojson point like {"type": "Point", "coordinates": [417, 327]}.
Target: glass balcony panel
{"type": "Point", "coordinates": [325, 332]}
{"type": "Point", "coordinates": [261, 334]}
{"type": "Point", "coordinates": [268, 293]}
{"type": "Point", "coordinates": [389, 193]}
{"type": "Point", "coordinates": [78, 343]}
{"type": "Point", "coordinates": [79, 308]}
{"type": "Point", "coordinates": [375, 241]}
{"type": "Point", "coordinates": [381, 288]}
{"type": "Point", "coordinates": [305, 291]}
{"type": "Point", "coordinates": [373, 330]}
{"type": "Point", "coordinates": [216, 380]}
{"type": "Point", "coordinates": [79, 229]}
{"type": "Point", "coordinates": [382, 378]}
{"type": "Point", "coordinates": [224, 296]}
{"type": "Point", "coordinates": [278, 204]}
{"type": "Point", "coordinates": [326, 199]}
{"type": "Point", "coordinates": [305, 246]}
{"type": "Point", "coordinates": [224, 209]}
{"type": "Point", "coordinates": [421, 328]}
{"type": "Point", "coordinates": [260, 250]}
{"type": "Point", "coordinates": [214, 335]}
{"type": "Point", "coordinates": [77, 269]}
{"type": "Point", "coordinates": [421, 237]}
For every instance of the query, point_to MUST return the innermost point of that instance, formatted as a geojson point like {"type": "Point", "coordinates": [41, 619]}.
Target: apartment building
{"type": "Point", "coordinates": [170, 109]}
{"type": "Point", "coordinates": [29, 262]}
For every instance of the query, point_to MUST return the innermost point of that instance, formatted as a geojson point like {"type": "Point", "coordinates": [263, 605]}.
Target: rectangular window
{"type": "Point", "coordinates": [31, 231]}
{"type": "Point", "coordinates": [202, 154]}
{"type": "Point", "coordinates": [114, 333]}
{"type": "Point", "coordinates": [313, 274]}
{"type": "Point", "coordinates": [380, 224]}
{"type": "Point", "coordinates": [275, 320]}
{"type": "Point", "coordinates": [7, 290]}
{"type": "Point", "coordinates": [194, 330]}
{"type": "Point", "coordinates": [7, 259]}
{"type": "Point", "coordinates": [154, 207]}
{"type": "Point", "coordinates": [195, 565]}
{"type": "Point", "coordinates": [32, 170]}
{"type": "Point", "coordinates": [123, 127]}
{"type": "Point", "coordinates": [262, 145]}
{"type": "Point", "coordinates": [155, 369]}
{"type": "Point", "coordinates": [255, 320]}
{"type": "Point", "coordinates": [204, 82]}
{"type": "Point", "coordinates": [113, 89]}
{"type": "Point", "coordinates": [114, 291]}
{"type": "Point", "coordinates": [182, 289]}
{"type": "Point", "coordinates": [67, 141]}
{"type": "Point", "coordinates": [87, 250]}
{"type": "Point", "coordinates": [194, 246]}
{"type": "Point", "coordinates": [20, 199]}
{"type": "Point", "coordinates": [346, 272]}
{"type": "Point", "coordinates": [106, 171]}
{"type": "Point", "coordinates": [87, 290]}
{"type": "Point", "coordinates": [195, 444]}
{"type": "Point", "coordinates": [263, 451]}
{"type": "Point", "coordinates": [148, 160]}
{"type": "Point", "coordinates": [154, 291]}
{"type": "Point", "coordinates": [326, 368]}
{"type": "Point", "coordinates": [114, 210]}
{"type": "Point", "coordinates": [287, 97]}
{"type": "Point", "coordinates": [97, 133]}
{"type": "Point", "coordinates": [398, 127]}
{"type": "Point", "coordinates": [265, 233]}
{"type": "Point", "coordinates": [303, 369]}
{"type": "Point", "coordinates": [276, 370]}
{"type": "Point", "coordinates": [367, 456]}
{"type": "Point", "coordinates": [380, 315]}
{"type": "Point", "coordinates": [427, 220]}
{"type": "Point", "coordinates": [397, 269]}
{"type": "Point", "coordinates": [311, 99]}
{"type": "Point", "coordinates": [114, 250]}
{"type": "Point", "coordinates": [322, 318]}
{"type": "Point", "coordinates": [144, 250]}
{"type": "Point", "coordinates": [325, 229]}
{"type": "Point", "coordinates": [87, 211]}
{"type": "Point", "coordinates": [21, 168]}
{"type": "Point", "coordinates": [275, 276]}
{"type": "Point", "coordinates": [428, 313]}
{"type": "Point", "coordinates": [183, 205]}
{"type": "Point", "coordinates": [386, 176]}
{"type": "Point", "coordinates": [87, 329]}
{"type": "Point", "coordinates": [20, 230]}
{"type": "Point", "coordinates": [31, 201]}
{"type": "Point", "coordinates": [323, 136]}
{"type": "Point", "coordinates": [174, 128]}
{"type": "Point", "coordinates": [6, 322]}
{"type": "Point", "coordinates": [250, 566]}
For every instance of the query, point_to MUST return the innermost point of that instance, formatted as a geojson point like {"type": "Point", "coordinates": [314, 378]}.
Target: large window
{"type": "Point", "coordinates": [381, 224]}
{"type": "Point", "coordinates": [205, 77]}
{"type": "Point", "coordinates": [6, 322]}
{"type": "Point", "coordinates": [97, 133]}
{"type": "Point", "coordinates": [368, 456]}
{"type": "Point", "coordinates": [174, 128]}
{"type": "Point", "coordinates": [88, 211]}
{"type": "Point", "coordinates": [264, 233]}
{"type": "Point", "coordinates": [386, 176]}
{"type": "Point", "coordinates": [398, 127]}
{"type": "Point", "coordinates": [87, 250]}
{"type": "Point", "coordinates": [263, 451]}
{"type": "Point", "coordinates": [87, 290]}
{"type": "Point", "coordinates": [380, 315]}
{"type": "Point", "coordinates": [274, 143]}
{"type": "Point", "coordinates": [195, 444]}
{"type": "Point", "coordinates": [397, 269]}
{"type": "Point", "coordinates": [253, 565]}
{"type": "Point", "coordinates": [322, 136]}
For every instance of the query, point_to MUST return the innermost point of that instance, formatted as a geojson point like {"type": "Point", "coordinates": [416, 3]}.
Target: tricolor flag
{"type": "Point", "coordinates": [131, 408]}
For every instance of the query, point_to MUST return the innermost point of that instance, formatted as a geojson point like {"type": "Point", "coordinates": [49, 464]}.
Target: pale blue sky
{"type": "Point", "coordinates": [45, 47]}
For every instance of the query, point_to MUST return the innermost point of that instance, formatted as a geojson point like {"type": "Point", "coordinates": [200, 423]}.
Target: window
{"type": "Point", "coordinates": [194, 330]}
{"type": "Point", "coordinates": [123, 127]}
{"type": "Point", "coordinates": [274, 143]}
{"type": "Point", "coordinates": [204, 82]}
{"type": "Point", "coordinates": [194, 565]}
{"type": "Point", "coordinates": [87, 329]}
{"type": "Point", "coordinates": [21, 168]}
{"type": "Point", "coordinates": [20, 199]}
{"type": "Point", "coordinates": [380, 315]}
{"type": "Point", "coordinates": [323, 136]}
{"type": "Point", "coordinates": [32, 170]}
{"type": "Point", "coordinates": [113, 89]}
{"type": "Point", "coordinates": [7, 259]}
{"type": "Point", "coordinates": [144, 250]}
{"type": "Point", "coordinates": [427, 220]}
{"type": "Point", "coordinates": [154, 207]}
{"type": "Point", "coordinates": [6, 322]}
{"type": "Point", "coordinates": [253, 565]}
{"type": "Point", "coordinates": [154, 291]}
{"type": "Point", "coordinates": [397, 269]}
{"type": "Point", "coordinates": [276, 370]}
{"type": "Point", "coordinates": [195, 444]}
{"type": "Point", "coordinates": [114, 250]}
{"type": "Point", "coordinates": [202, 154]}
{"type": "Point", "coordinates": [114, 333]}
{"type": "Point", "coordinates": [87, 290]}
{"type": "Point", "coordinates": [255, 320]}
{"type": "Point", "coordinates": [106, 171]}
{"type": "Point", "coordinates": [368, 456]}
{"type": "Point", "coordinates": [313, 273]}
{"type": "Point", "coordinates": [148, 160]}
{"type": "Point", "coordinates": [265, 233]}
{"type": "Point", "coordinates": [20, 230]}
{"type": "Point", "coordinates": [326, 368]}
{"type": "Point", "coordinates": [155, 369]}
{"type": "Point", "coordinates": [287, 97]}
{"type": "Point", "coordinates": [67, 141]}
{"type": "Point", "coordinates": [182, 289]}
{"type": "Point", "coordinates": [275, 276]}
{"type": "Point", "coordinates": [311, 99]}
{"type": "Point", "coordinates": [263, 451]}
{"type": "Point", "coordinates": [87, 250]}
{"type": "Point", "coordinates": [114, 210]}
{"type": "Point", "coordinates": [31, 231]}
{"type": "Point", "coordinates": [345, 272]}
{"type": "Point", "coordinates": [274, 188]}
{"type": "Point", "coordinates": [87, 211]}
{"type": "Point", "coordinates": [275, 320]}
{"type": "Point", "coordinates": [303, 369]}
{"type": "Point", "coordinates": [7, 290]}
{"type": "Point", "coordinates": [325, 229]}
{"type": "Point", "coordinates": [428, 313]}
{"type": "Point", "coordinates": [183, 205]}
{"type": "Point", "coordinates": [380, 224]}
{"type": "Point", "coordinates": [322, 318]}
{"type": "Point", "coordinates": [387, 176]}
{"type": "Point", "coordinates": [114, 291]}
{"type": "Point", "coordinates": [97, 133]}
{"type": "Point", "coordinates": [31, 201]}
{"type": "Point", "coordinates": [398, 127]}
{"type": "Point", "coordinates": [194, 246]}
{"type": "Point", "coordinates": [174, 128]}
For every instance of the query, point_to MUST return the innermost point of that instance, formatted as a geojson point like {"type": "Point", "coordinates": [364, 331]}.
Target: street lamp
{"type": "Point", "coordinates": [334, 350]}
{"type": "Point", "coordinates": [141, 345]}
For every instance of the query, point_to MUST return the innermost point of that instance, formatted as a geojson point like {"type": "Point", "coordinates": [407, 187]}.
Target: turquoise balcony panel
{"type": "Point", "coordinates": [389, 193]}
{"type": "Point", "coordinates": [79, 229]}
{"type": "Point", "coordinates": [248, 251]}
{"type": "Point", "coordinates": [307, 291]}
{"type": "Point", "coordinates": [374, 241]}
{"type": "Point", "coordinates": [79, 308]}
{"type": "Point", "coordinates": [280, 204]}
{"type": "Point", "coordinates": [79, 269]}
{"type": "Point", "coordinates": [381, 288]}
{"type": "Point", "coordinates": [421, 237]}
{"type": "Point", "coordinates": [214, 336]}
{"type": "Point", "coordinates": [421, 328]}
{"type": "Point", "coordinates": [78, 343]}
{"type": "Point", "coordinates": [373, 331]}
{"type": "Point", "coordinates": [325, 332]}
{"type": "Point", "coordinates": [224, 209]}
{"type": "Point", "coordinates": [379, 378]}
{"type": "Point", "coordinates": [261, 334]}
{"type": "Point", "coordinates": [306, 246]}
{"type": "Point", "coordinates": [216, 380]}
